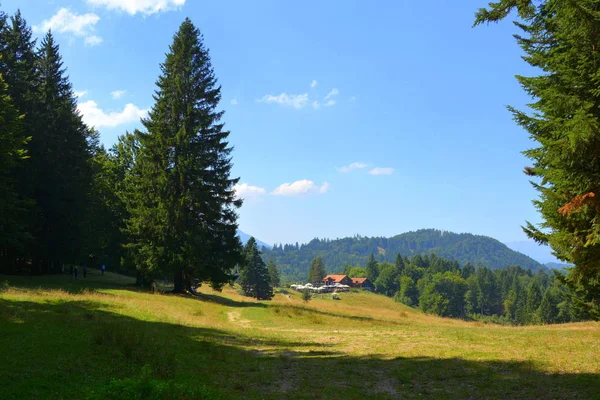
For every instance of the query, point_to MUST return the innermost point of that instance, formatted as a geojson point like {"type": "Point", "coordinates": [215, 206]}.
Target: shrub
{"type": "Point", "coordinates": [306, 296]}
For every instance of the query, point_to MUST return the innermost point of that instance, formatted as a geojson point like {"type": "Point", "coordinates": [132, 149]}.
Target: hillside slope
{"type": "Point", "coordinates": [98, 338]}
{"type": "Point", "coordinates": [465, 248]}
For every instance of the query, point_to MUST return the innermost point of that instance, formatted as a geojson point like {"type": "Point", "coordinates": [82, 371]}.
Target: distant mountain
{"type": "Point", "coordinates": [540, 253]}
{"type": "Point", "coordinates": [294, 261]}
{"type": "Point", "coordinates": [555, 265]}
{"type": "Point", "coordinates": [244, 237]}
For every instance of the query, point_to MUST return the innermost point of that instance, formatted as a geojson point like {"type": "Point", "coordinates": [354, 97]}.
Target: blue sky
{"type": "Point", "coordinates": [407, 93]}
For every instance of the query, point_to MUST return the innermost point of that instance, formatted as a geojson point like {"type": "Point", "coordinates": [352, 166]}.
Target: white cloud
{"type": "Point", "coordinates": [118, 93]}
{"type": "Point", "coordinates": [249, 192]}
{"type": "Point", "coordinates": [353, 166]}
{"type": "Point", "coordinates": [145, 7]}
{"type": "Point", "coordinates": [234, 101]}
{"type": "Point", "coordinates": [80, 94]}
{"type": "Point", "coordinates": [92, 40]}
{"type": "Point", "coordinates": [65, 21]}
{"type": "Point", "coordinates": [381, 171]}
{"type": "Point", "coordinates": [299, 101]}
{"type": "Point", "coordinates": [333, 92]}
{"type": "Point", "coordinates": [94, 116]}
{"type": "Point", "coordinates": [314, 84]}
{"type": "Point", "coordinates": [299, 188]}
{"type": "Point", "coordinates": [291, 100]}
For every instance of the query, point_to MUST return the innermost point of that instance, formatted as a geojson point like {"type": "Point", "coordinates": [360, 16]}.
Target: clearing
{"type": "Point", "coordinates": [101, 338]}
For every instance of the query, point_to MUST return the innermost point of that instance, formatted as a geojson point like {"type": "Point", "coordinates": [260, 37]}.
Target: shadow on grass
{"type": "Point", "coordinates": [225, 301]}
{"type": "Point", "coordinates": [76, 348]}
{"type": "Point", "coordinates": [294, 309]}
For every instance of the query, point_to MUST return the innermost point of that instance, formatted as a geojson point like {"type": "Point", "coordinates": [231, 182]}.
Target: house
{"type": "Point", "coordinates": [363, 283]}
{"type": "Point", "coordinates": [331, 280]}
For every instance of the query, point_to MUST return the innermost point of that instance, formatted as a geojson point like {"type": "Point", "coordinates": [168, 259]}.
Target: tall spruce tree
{"type": "Point", "coordinates": [255, 278]}
{"type": "Point", "coordinates": [561, 40]}
{"type": "Point", "coordinates": [61, 159]}
{"type": "Point", "coordinates": [13, 228]}
{"type": "Point", "coordinates": [372, 269]}
{"type": "Point", "coordinates": [317, 271]}
{"type": "Point", "coordinates": [184, 213]}
{"type": "Point", "coordinates": [17, 66]}
{"type": "Point", "coordinates": [274, 273]}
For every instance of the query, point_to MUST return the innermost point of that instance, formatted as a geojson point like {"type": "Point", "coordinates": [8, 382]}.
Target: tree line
{"type": "Point", "coordinates": [159, 203]}
{"type": "Point", "coordinates": [294, 260]}
{"type": "Point", "coordinates": [443, 287]}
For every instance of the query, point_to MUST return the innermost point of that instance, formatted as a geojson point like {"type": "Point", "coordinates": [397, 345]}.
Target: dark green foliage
{"type": "Point", "coordinates": [53, 183]}
{"type": "Point", "coordinates": [317, 271]}
{"type": "Point", "coordinates": [294, 262]}
{"type": "Point", "coordinates": [183, 210]}
{"type": "Point", "coordinates": [306, 296]}
{"type": "Point", "coordinates": [388, 281]}
{"type": "Point", "coordinates": [273, 274]}
{"type": "Point", "coordinates": [560, 39]}
{"type": "Point", "coordinates": [408, 293]}
{"type": "Point", "coordinates": [61, 160]}
{"type": "Point", "coordinates": [255, 278]}
{"type": "Point", "coordinates": [444, 295]}
{"type": "Point", "coordinates": [13, 229]}
{"type": "Point", "coordinates": [372, 269]}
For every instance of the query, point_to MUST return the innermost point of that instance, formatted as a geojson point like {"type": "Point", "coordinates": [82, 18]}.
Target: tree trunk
{"type": "Point", "coordinates": [178, 282]}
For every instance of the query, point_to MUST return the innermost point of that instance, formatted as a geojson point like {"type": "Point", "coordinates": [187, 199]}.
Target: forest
{"type": "Point", "coordinates": [511, 295]}
{"type": "Point", "coordinates": [161, 203]}
{"type": "Point", "coordinates": [294, 259]}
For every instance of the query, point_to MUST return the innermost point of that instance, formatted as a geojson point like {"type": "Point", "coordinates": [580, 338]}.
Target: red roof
{"type": "Point", "coordinates": [334, 278]}
{"type": "Point", "coordinates": [358, 280]}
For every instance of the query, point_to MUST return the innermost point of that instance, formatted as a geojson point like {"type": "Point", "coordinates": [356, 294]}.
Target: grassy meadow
{"type": "Point", "coordinates": [99, 337]}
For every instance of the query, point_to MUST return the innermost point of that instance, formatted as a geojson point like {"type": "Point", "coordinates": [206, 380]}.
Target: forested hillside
{"type": "Point", "coordinates": [294, 260]}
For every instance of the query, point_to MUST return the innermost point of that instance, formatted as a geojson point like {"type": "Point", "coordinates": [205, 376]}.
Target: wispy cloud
{"type": "Point", "coordinates": [296, 101]}
{"type": "Point", "coordinates": [146, 7]}
{"type": "Point", "coordinates": [334, 92]}
{"type": "Point", "coordinates": [80, 94]}
{"type": "Point", "coordinates": [381, 171]}
{"type": "Point", "coordinates": [118, 93]}
{"type": "Point", "coordinates": [249, 192]}
{"type": "Point", "coordinates": [234, 101]}
{"type": "Point", "coordinates": [314, 84]}
{"type": "Point", "coordinates": [92, 40]}
{"type": "Point", "coordinates": [95, 116]}
{"type": "Point", "coordinates": [299, 188]}
{"type": "Point", "coordinates": [299, 101]}
{"type": "Point", "coordinates": [353, 166]}
{"type": "Point", "coordinates": [71, 23]}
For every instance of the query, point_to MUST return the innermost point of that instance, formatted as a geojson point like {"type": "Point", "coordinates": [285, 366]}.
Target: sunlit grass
{"type": "Point", "coordinates": [63, 338]}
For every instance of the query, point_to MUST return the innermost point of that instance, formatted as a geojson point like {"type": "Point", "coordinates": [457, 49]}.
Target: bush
{"type": "Point", "coordinates": [306, 296]}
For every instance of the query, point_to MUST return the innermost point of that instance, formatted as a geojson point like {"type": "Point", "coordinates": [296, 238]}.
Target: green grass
{"type": "Point", "coordinates": [100, 338]}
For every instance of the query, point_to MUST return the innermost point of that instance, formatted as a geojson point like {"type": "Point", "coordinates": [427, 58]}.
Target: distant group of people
{"type": "Point", "coordinates": [74, 270]}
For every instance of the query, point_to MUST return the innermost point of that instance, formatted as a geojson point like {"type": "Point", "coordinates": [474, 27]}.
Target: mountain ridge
{"type": "Point", "coordinates": [294, 260]}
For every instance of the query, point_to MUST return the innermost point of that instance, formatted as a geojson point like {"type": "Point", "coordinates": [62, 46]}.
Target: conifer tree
{"type": "Point", "coordinates": [274, 274]}
{"type": "Point", "coordinates": [255, 278]}
{"type": "Point", "coordinates": [372, 269]}
{"type": "Point", "coordinates": [184, 214]}
{"type": "Point", "coordinates": [61, 160]}
{"type": "Point", "coordinates": [561, 40]}
{"type": "Point", "coordinates": [13, 228]}
{"type": "Point", "coordinates": [400, 264]}
{"type": "Point", "coordinates": [317, 271]}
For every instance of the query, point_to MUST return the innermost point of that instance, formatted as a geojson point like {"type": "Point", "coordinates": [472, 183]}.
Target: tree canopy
{"type": "Point", "coordinates": [560, 39]}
